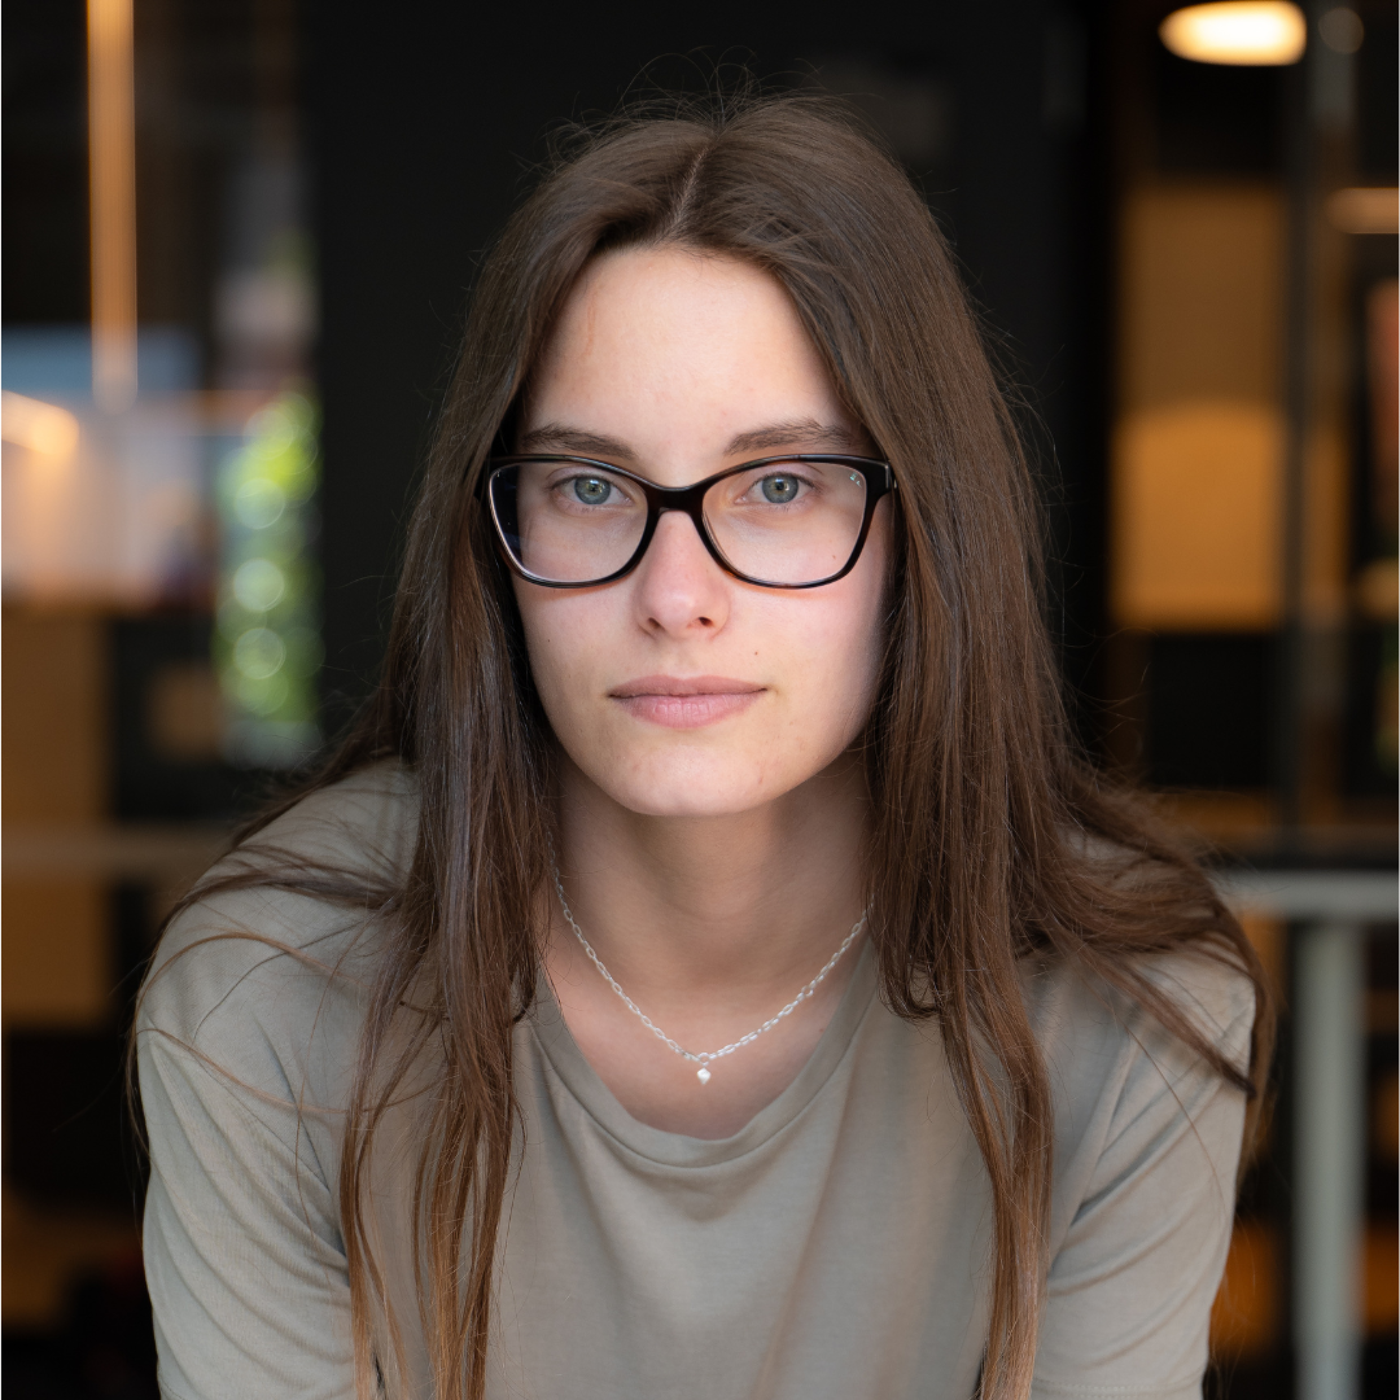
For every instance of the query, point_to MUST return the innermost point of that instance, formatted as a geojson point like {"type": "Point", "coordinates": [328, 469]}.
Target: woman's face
{"type": "Point", "coordinates": [679, 690]}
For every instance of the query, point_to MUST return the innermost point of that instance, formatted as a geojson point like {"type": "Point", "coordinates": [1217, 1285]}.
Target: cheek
{"type": "Point", "coordinates": [832, 662]}
{"type": "Point", "coordinates": [865, 616]}
{"type": "Point", "coordinates": [860, 667]}
{"type": "Point", "coordinates": [555, 642]}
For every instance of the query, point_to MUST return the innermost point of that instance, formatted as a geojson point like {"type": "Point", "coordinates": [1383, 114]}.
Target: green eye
{"type": "Point", "coordinates": [592, 490]}
{"type": "Point", "coordinates": [779, 490]}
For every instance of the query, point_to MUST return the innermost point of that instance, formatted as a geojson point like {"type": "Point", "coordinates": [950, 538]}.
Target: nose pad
{"type": "Point", "coordinates": [671, 537]}
{"type": "Point", "coordinates": [679, 585]}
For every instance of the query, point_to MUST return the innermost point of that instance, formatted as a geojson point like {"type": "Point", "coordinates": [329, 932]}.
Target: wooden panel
{"type": "Point", "coordinates": [46, 1248]}
{"type": "Point", "coordinates": [1201, 295]}
{"type": "Point", "coordinates": [1197, 517]}
{"type": "Point", "coordinates": [54, 714]}
{"type": "Point", "coordinates": [56, 946]}
{"type": "Point", "coordinates": [58, 968]}
{"type": "Point", "coordinates": [1198, 446]}
{"type": "Point", "coordinates": [1380, 1282]}
{"type": "Point", "coordinates": [1248, 1307]}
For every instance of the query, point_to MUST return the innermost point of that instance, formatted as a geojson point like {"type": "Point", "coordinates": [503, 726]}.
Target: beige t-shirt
{"type": "Point", "coordinates": [837, 1246]}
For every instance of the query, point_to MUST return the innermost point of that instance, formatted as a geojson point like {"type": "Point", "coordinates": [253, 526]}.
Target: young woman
{"type": "Point", "coordinates": [707, 971]}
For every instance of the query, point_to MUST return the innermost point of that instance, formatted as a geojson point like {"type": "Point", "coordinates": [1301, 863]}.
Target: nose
{"type": "Point", "coordinates": [678, 588]}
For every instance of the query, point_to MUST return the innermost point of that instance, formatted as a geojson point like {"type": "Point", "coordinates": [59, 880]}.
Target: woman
{"type": "Point", "coordinates": [707, 970]}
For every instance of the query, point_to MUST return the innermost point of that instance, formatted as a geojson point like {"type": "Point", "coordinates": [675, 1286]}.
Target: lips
{"type": "Point", "coordinates": [688, 702]}
{"type": "Point", "coordinates": [681, 686]}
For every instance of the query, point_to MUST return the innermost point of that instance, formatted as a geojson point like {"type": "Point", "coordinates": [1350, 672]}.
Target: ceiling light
{"type": "Point", "coordinates": [1252, 34]}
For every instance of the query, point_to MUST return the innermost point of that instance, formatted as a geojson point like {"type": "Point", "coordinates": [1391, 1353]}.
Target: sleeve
{"type": "Point", "coordinates": [243, 1252]}
{"type": "Point", "coordinates": [1135, 1273]}
{"type": "Point", "coordinates": [247, 1034]}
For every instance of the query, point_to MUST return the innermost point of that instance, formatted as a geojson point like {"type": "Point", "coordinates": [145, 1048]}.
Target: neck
{"type": "Point", "coordinates": [745, 906]}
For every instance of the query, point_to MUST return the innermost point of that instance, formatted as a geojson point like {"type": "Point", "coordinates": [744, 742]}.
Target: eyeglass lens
{"type": "Point", "coordinates": [784, 522]}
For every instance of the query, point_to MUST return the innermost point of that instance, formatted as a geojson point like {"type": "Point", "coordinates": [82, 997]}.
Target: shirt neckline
{"type": "Point", "coordinates": [559, 1048]}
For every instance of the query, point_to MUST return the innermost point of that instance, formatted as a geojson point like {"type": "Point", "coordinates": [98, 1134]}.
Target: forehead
{"type": "Point", "coordinates": [664, 328]}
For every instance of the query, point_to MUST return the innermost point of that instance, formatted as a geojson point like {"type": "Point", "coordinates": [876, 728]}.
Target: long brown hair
{"type": "Point", "coordinates": [991, 839]}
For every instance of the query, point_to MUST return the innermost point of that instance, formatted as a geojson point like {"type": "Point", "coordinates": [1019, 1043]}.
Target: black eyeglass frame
{"type": "Point", "coordinates": [690, 500]}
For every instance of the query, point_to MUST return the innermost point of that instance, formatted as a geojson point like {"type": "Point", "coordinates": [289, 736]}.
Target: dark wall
{"type": "Point", "coordinates": [45, 162]}
{"type": "Point", "coordinates": [425, 120]}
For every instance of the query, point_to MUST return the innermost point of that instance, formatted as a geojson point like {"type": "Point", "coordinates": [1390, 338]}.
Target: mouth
{"type": "Point", "coordinates": [689, 702]}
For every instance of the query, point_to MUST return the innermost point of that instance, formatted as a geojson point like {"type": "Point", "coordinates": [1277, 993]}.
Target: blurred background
{"type": "Point", "coordinates": [238, 241]}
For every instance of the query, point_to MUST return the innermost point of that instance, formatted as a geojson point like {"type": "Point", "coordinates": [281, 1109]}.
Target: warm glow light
{"type": "Point", "coordinates": [1254, 33]}
{"type": "Point", "coordinates": [112, 191]}
{"type": "Point", "coordinates": [41, 427]}
{"type": "Point", "coordinates": [1364, 210]}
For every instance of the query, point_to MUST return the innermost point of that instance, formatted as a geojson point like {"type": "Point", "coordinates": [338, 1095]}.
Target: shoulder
{"type": "Point", "coordinates": [1072, 1010]}
{"type": "Point", "coordinates": [1147, 1139]}
{"type": "Point", "coordinates": [1120, 1080]}
{"type": "Point", "coordinates": [266, 973]}
{"type": "Point", "coordinates": [366, 823]}
{"type": "Point", "coordinates": [1199, 980]}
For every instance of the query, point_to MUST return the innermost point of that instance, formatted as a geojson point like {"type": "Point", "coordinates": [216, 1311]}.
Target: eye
{"type": "Point", "coordinates": [778, 490]}
{"type": "Point", "coordinates": [592, 490]}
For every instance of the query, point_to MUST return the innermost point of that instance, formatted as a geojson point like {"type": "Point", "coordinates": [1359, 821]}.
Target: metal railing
{"type": "Point", "coordinates": [1328, 912]}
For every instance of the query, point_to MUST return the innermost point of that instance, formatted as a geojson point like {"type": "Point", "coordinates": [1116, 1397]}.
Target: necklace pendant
{"type": "Point", "coordinates": [703, 1073]}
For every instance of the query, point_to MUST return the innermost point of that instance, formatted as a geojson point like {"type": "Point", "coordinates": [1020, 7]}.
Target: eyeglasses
{"type": "Point", "coordinates": [781, 522]}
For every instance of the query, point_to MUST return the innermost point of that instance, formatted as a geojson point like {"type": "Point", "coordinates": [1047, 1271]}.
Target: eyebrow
{"type": "Point", "coordinates": [798, 432]}
{"type": "Point", "coordinates": [559, 437]}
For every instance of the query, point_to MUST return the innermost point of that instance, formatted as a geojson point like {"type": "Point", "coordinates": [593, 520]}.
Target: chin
{"type": "Point", "coordinates": [684, 806]}
{"type": "Point", "coordinates": [689, 789]}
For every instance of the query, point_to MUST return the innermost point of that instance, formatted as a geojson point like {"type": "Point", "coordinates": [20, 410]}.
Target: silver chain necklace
{"type": "Point", "coordinates": [703, 1058]}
